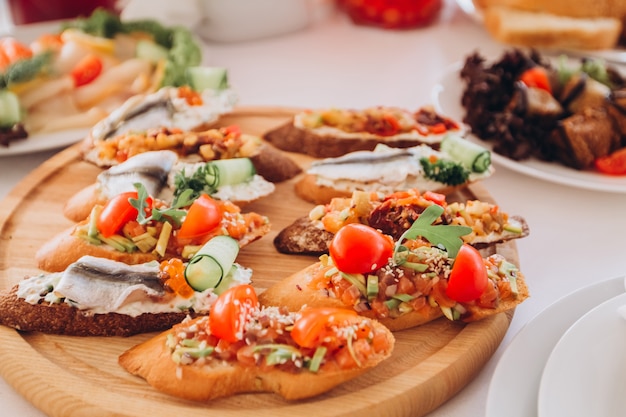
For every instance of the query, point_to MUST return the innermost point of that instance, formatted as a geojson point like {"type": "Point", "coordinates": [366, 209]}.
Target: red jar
{"type": "Point", "coordinates": [392, 14]}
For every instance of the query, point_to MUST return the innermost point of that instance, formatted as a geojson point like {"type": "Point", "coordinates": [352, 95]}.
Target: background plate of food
{"type": "Point", "coordinates": [57, 80]}
{"type": "Point", "coordinates": [550, 146]}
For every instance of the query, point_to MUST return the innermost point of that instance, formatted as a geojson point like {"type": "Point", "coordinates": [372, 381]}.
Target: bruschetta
{"type": "Point", "coordinates": [393, 214]}
{"type": "Point", "coordinates": [135, 228]}
{"type": "Point", "coordinates": [207, 145]}
{"type": "Point", "coordinates": [100, 297]}
{"type": "Point", "coordinates": [165, 177]}
{"type": "Point", "coordinates": [428, 273]}
{"type": "Point", "coordinates": [241, 348]}
{"type": "Point", "coordinates": [334, 132]}
{"type": "Point", "coordinates": [456, 164]}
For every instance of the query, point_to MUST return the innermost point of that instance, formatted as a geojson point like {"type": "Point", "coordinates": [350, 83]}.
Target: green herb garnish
{"type": "Point", "coordinates": [204, 180]}
{"type": "Point", "coordinates": [446, 235]}
{"type": "Point", "coordinates": [173, 214]}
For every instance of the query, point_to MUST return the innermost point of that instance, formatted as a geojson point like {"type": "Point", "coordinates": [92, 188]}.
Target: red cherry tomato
{"type": "Point", "coordinates": [536, 77]}
{"type": "Point", "coordinates": [229, 313]}
{"type": "Point", "coordinates": [468, 278]}
{"type": "Point", "coordinates": [203, 216]}
{"type": "Point", "coordinates": [86, 70]}
{"type": "Point", "coordinates": [613, 164]}
{"type": "Point", "coordinates": [314, 324]}
{"type": "Point", "coordinates": [14, 50]}
{"type": "Point", "coordinates": [117, 212]}
{"type": "Point", "coordinates": [359, 249]}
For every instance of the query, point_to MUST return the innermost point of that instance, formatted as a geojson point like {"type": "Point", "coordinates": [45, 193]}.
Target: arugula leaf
{"type": "Point", "coordinates": [173, 213]}
{"type": "Point", "coordinates": [203, 180]}
{"type": "Point", "coordinates": [446, 235]}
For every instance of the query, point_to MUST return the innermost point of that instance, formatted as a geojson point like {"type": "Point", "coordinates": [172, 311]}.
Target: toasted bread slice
{"type": "Point", "coordinates": [546, 30]}
{"type": "Point", "coordinates": [211, 378]}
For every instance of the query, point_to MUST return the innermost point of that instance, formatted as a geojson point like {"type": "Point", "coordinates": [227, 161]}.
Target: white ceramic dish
{"type": "Point", "coordinates": [584, 375]}
{"type": "Point", "coordinates": [44, 142]}
{"type": "Point", "coordinates": [514, 386]}
{"type": "Point", "coordinates": [446, 96]}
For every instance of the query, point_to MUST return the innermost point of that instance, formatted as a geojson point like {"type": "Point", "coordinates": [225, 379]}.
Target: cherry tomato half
{"type": "Point", "coordinates": [229, 313]}
{"type": "Point", "coordinates": [314, 324]}
{"type": "Point", "coordinates": [203, 216]}
{"type": "Point", "coordinates": [86, 70]}
{"type": "Point", "coordinates": [536, 77]}
{"type": "Point", "coordinates": [613, 164]}
{"type": "Point", "coordinates": [468, 278]}
{"type": "Point", "coordinates": [359, 249]}
{"type": "Point", "coordinates": [117, 212]}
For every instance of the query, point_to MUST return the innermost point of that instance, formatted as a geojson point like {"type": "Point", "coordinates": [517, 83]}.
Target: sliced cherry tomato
{"type": "Point", "coordinates": [314, 324]}
{"type": "Point", "coordinates": [536, 77]}
{"type": "Point", "coordinates": [117, 212]}
{"type": "Point", "coordinates": [468, 278]}
{"type": "Point", "coordinates": [357, 248]}
{"type": "Point", "coordinates": [204, 215]}
{"type": "Point", "coordinates": [4, 61]}
{"type": "Point", "coordinates": [389, 126]}
{"type": "Point", "coordinates": [437, 198]}
{"type": "Point", "coordinates": [613, 164]}
{"type": "Point", "coordinates": [230, 312]}
{"type": "Point", "coordinates": [15, 50]}
{"type": "Point", "coordinates": [87, 70]}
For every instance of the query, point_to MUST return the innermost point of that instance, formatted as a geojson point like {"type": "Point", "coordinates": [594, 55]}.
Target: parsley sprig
{"type": "Point", "coordinates": [174, 213]}
{"type": "Point", "coordinates": [441, 235]}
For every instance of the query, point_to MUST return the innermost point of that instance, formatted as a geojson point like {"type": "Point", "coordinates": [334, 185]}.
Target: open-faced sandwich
{"type": "Point", "coordinates": [242, 347]}
{"type": "Point", "coordinates": [165, 178]}
{"type": "Point", "coordinates": [209, 145]}
{"type": "Point", "coordinates": [393, 214]}
{"type": "Point", "coordinates": [334, 132]}
{"type": "Point", "coordinates": [428, 273]}
{"type": "Point", "coordinates": [134, 227]}
{"type": "Point", "coordinates": [100, 297]}
{"type": "Point", "coordinates": [456, 164]}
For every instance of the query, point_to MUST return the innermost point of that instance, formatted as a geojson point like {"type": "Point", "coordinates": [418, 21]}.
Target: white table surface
{"type": "Point", "coordinates": [577, 236]}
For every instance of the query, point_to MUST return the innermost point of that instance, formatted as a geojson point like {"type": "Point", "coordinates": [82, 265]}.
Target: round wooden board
{"type": "Point", "coordinates": [74, 376]}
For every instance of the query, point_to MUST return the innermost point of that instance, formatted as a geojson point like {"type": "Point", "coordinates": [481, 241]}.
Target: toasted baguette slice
{"type": "Point", "coordinates": [160, 172]}
{"type": "Point", "coordinates": [191, 146]}
{"type": "Point", "coordinates": [334, 132]}
{"type": "Point", "coordinates": [211, 378]}
{"type": "Point", "coordinates": [393, 215]}
{"type": "Point", "coordinates": [69, 245]}
{"type": "Point", "coordinates": [545, 30]}
{"type": "Point", "coordinates": [320, 285]}
{"type": "Point", "coordinates": [387, 170]}
{"type": "Point", "coordinates": [579, 8]}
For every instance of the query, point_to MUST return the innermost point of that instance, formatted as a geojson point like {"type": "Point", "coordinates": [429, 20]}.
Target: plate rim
{"type": "Point", "coordinates": [573, 332]}
{"type": "Point", "coordinates": [503, 380]}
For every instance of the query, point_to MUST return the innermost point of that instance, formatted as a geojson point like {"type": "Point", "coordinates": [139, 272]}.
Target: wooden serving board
{"type": "Point", "coordinates": [79, 376]}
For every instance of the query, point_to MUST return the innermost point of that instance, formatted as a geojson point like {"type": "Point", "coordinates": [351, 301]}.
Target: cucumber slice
{"type": "Point", "coordinates": [211, 263]}
{"type": "Point", "coordinates": [10, 112]}
{"type": "Point", "coordinates": [233, 171]}
{"type": "Point", "coordinates": [203, 78]}
{"type": "Point", "coordinates": [150, 51]}
{"type": "Point", "coordinates": [470, 154]}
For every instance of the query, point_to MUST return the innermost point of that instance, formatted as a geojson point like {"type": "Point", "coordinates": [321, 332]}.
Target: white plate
{"type": "Point", "coordinates": [515, 382]}
{"type": "Point", "coordinates": [44, 142]}
{"type": "Point", "coordinates": [446, 96]}
{"type": "Point", "coordinates": [586, 372]}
